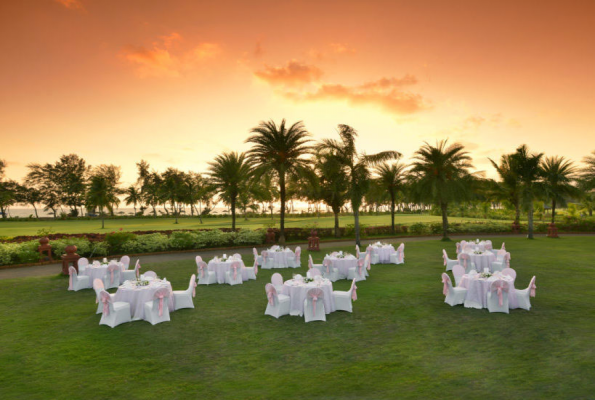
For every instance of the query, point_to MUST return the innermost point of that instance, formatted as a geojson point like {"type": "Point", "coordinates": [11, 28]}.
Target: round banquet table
{"type": "Point", "coordinates": [478, 288]}
{"type": "Point", "coordinates": [138, 296]}
{"type": "Point", "coordinates": [383, 252]}
{"type": "Point", "coordinates": [280, 257]}
{"type": "Point", "coordinates": [97, 272]}
{"type": "Point", "coordinates": [220, 267]}
{"type": "Point", "coordinates": [297, 291]}
{"type": "Point", "coordinates": [482, 246]}
{"type": "Point", "coordinates": [483, 260]}
{"type": "Point", "coordinates": [343, 264]}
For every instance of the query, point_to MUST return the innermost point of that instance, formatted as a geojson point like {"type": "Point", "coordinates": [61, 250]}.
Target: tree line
{"type": "Point", "coordinates": [284, 164]}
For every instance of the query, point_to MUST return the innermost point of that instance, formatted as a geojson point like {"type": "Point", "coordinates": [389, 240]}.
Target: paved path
{"type": "Point", "coordinates": [54, 269]}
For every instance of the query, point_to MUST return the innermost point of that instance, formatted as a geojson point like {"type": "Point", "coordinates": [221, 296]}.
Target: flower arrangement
{"type": "Point", "coordinates": [478, 252]}
{"type": "Point", "coordinates": [485, 275]}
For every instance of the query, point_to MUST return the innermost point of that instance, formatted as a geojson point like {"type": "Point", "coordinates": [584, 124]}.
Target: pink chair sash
{"type": "Point", "coordinates": [353, 291]}
{"type": "Point", "coordinates": [105, 299]}
{"type": "Point", "coordinates": [503, 246]}
{"type": "Point", "coordinates": [255, 267]}
{"type": "Point", "coordinates": [271, 293]}
{"type": "Point", "coordinates": [161, 294]}
{"type": "Point", "coordinates": [265, 255]}
{"type": "Point", "coordinates": [532, 288]}
{"type": "Point", "coordinates": [500, 287]}
{"type": "Point", "coordinates": [138, 270]}
{"type": "Point", "coordinates": [202, 266]}
{"type": "Point", "coordinates": [71, 271]}
{"type": "Point", "coordinates": [445, 281]}
{"type": "Point", "coordinates": [445, 257]}
{"type": "Point", "coordinates": [315, 295]}
{"type": "Point", "coordinates": [234, 266]}
{"type": "Point", "coordinates": [327, 263]}
{"type": "Point", "coordinates": [465, 258]}
{"type": "Point", "coordinates": [357, 251]}
{"type": "Point", "coordinates": [111, 268]}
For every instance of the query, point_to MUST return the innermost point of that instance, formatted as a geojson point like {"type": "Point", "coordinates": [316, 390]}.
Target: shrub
{"type": "Point", "coordinates": [248, 237]}
{"type": "Point", "coordinates": [215, 238]}
{"type": "Point", "coordinates": [8, 252]}
{"type": "Point", "coordinates": [27, 252]}
{"type": "Point", "coordinates": [418, 228]}
{"type": "Point", "coordinates": [116, 240]}
{"type": "Point", "coordinates": [183, 240]}
{"type": "Point", "coordinates": [145, 244]}
{"type": "Point", "coordinates": [83, 246]}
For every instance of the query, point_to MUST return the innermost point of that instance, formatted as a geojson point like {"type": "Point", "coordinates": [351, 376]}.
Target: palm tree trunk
{"type": "Point", "coordinates": [200, 211]}
{"type": "Point", "coordinates": [444, 207]}
{"type": "Point", "coordinates": [356, 220]}
{"type": "Point", "coordinates": [553, 211]}
{"type": "Point", "coordinates": [336, 223]}
{"type": "Point", "coordinates": [35, 208]}
{"type": "Point", "coordinates": [517, 216]}
{"type": "Point", "coordinates": [282, 214]}
{"type": "Point", "coordinates": [392, 213]}
{"type": "Point", "coordinates": [530, 221]}
{"type": "Point", "coordinates": [102, 218]}
{"type": "Point", "coordinates": [233, 213]}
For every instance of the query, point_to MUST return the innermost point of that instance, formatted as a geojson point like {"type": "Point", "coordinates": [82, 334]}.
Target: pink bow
{"type": "Point", "coordinates": [353, 293]}
{"type": "Point", "coordinates": [500, 288]}
{"type": "Point", "coordinates": [105, 301]}
{"type": "Point", "coordinates": [160, 296]}
{"type": "Point", "coordinates": [464, 257]}
{"type": "Point", "coordinates": [194, 289]}
{"type": "Point", "coordinates": [271, 297]}
{"type": "Point", "coordinates": [533, 287]}
{"type": "Point", "coordinates": [445, 289]}
{"type": "Point", "coordinates": [70, 281]}
{"type": "Point", "coordinates": [137, 270]}
{"type": "Point", "coordinates": [327, 264]}
{"type": "Point", "coordinates": [444, 257]}
{"type": "Point", "coordinates": [314, 300]}
{"type": "Point", "coordinates": [235, 271]}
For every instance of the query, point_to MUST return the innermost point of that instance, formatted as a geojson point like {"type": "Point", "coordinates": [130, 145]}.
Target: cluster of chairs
{"type": "Point", "coordinates": [113, 278]}
{"type": "Point", "coordinates": [114, 313]}
{"type": "Point", "coordinates": [279, 304]}
{"type": "Point", "coordinates": [502, 260]}
{"type": "Point", "coordinates": [333, 274]}
{"type": "Point", "coordinates": [265, 261]}
{"type": "Point", "coordinates": [396, 257]}
{"type": "Point", "coordinates": [232, 277]}
{"type": "Point", "coordinates": [497, 300]}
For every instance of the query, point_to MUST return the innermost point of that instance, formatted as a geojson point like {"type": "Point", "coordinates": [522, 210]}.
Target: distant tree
{"type": "Point", "coordinates": [30, 195]}
{"type": "Point", "coordinates": [8, 191]}
{"type": "Point", "coordinates": [279, 149]}
{"type": "Point", "coordinates": [529, 172]}
{"type": "Point", "coordinates": [440, 175]}
{"type": "Point", "coordinates": [70, 174]}
{"type": "Point", "coordinates": [509, 187]}
{"type": "Point", "coordinates": [101, 194]}
{"type": "Point", "coordinates": [133, 196]}
{"type": "Point", "coordinates": [112, 174]}
{"type": "Point", "coordinates": [229, 174]}
{"type": "Point", "coordinates": [558, 177]}
{"type": "Point", "coordinates": [174, 190]}
{"type": "Point", "coordinates": [41, 177]}
{"type": "Point", "coordinates": [392, 179]}
{"type": "Point", "coordinates": [587, 173]}
{"type": "Point", "coordinates": [357, 166]}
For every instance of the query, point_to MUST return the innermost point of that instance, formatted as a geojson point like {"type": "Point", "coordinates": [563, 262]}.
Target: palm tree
{"type": "Point", "coordinates": [357, 166]}
{"type": "Point", "coordinates": [558, 174]}
{"type": "Point", "coordinates": [391, 178]}
{"type": "Point", "coordinates": [133, 196]}
{"type": "Point", "coordinates": [229, 174]}
{"type": "Point", "coordinates": [101, 194]}
{"type": "Point", "coordinates": [279, 149]}
{"type": "Point", "coordinates": [508, 188]}
{"type": "Point", "coordinates": [440, 174]}
{"type": "Point", "coordinates": [588, 172]}
{"type": "Point", "coordinates": [173, 190]}
{"type": "Point", "coordinates": [529, 172]}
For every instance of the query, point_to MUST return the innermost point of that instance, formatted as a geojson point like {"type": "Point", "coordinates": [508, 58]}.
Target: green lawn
{"type": "Point", "coordinates": [402, 340]}
{"type": "Point", "coordinates": [30, 227]}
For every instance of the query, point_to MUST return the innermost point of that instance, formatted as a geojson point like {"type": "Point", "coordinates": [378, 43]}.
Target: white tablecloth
{"type": "Point", "coordinates": [343, 264]}
{"type": "Point", "coordinates": [383, 252]}
{"type": "Point", "coordinates": [280, 257]}
{"type": "Point", "coordinates": [220, 267]}
{"type": "Point", "coordinates": [481, 246]}
{"type": "Point", "coordinates": [478, 288]}
{"type": "Point", "coordinates": [96, 272]}
{"type": "Point", "coordinates": [482, 261]}
{"type": "Point", "coordinates": [297, 292]}
{"type": "Point", "coordinates": [137, 297]}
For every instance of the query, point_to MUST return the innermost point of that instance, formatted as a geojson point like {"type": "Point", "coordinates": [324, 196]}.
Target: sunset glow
{"type": "Point", "coordinates": [178, 82]}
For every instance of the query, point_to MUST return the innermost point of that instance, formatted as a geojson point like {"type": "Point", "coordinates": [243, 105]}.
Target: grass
{"type": "Point", "coordinates": [30, 227]}
{"type": "Point", "coordinates": [402, 340]}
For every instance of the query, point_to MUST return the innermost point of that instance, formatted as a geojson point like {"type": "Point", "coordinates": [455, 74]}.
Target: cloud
{"type": "Point", "coordinates": [386, 94]}
{"type": "Point", "coordinates": [294, 73]}
{"type": "Point", "coordinates": [165, 60]}
{"type": "Point", "coordinates": [71, 4]}
{"type": "Point", "coordinates": [340, 48]}
{"type": "Point", "coordinates": [258, 50]}
{"type": "Point", "coordinates": [330, 51]}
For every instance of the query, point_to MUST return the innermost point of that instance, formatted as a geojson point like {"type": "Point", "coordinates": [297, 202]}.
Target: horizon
{"type": "Point", "coordinates": [157, 82]}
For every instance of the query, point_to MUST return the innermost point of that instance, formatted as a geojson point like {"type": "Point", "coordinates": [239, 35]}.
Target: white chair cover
{"type": "Point", "coordinates": [113, 313]}
{"type": "Point", "coordinates": [314, 305]}
{"type": "Point", "coordinates": [183, 298]}
{"type": "Point", "coordinates": [277, 304]}
{"type": "Point", "coordinates": [157, 310]}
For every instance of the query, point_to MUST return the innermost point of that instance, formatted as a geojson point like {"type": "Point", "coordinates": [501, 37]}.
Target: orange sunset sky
{"type": "Point", "coordinates": [177, 82]}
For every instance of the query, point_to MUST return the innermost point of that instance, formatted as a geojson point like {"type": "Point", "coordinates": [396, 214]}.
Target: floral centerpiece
{"type": "Point", "coordinates": [140, 282]}
{"type": "Point", "coordinates": [478, 252]}
{"type": "Point", "coordinates": [485, 275]}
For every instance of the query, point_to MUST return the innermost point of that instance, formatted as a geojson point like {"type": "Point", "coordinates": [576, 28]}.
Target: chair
{"type": "Point", "coordinates": [267, 262]}
{"type": "Point", "coordinates": [157, 310]}
{"type": "Point", "coordinates": [498, 297]}
{"type": "Point", "coordinates": [183, 298]}
{"type": "Point", "coordinates": [113, 313]}
{"type": "Point", "coordinates": [277, 281]}
{"type": "Point", "coordinates": [448, 263]}
{"type": "Point", "coordinates": [343, 300]}
{"type": "Point", "coordinates": [314, 305]}
{"type": "Point", "coordinates": [295, 262]}
{"type": "Point", "coordinates": [312, 265]}
{"type": "Point", "coordinates": [278, 304]}
{"type": "Point", "coordinates": [251, 272]}
{"type": "Point", "coordinates": [398, 257]}
{"type": "Point", "coordinates": [458, 272]}
{"type": "Point", "coordinates": [76, 282]}
{"type": "Point", "coordinates": [503, 246]}
{"type": "Point", "coordinates": [458, 248]}
{"type": "Point", "coordinates": [257, 258]}
{"type": "Point", "coordinates": [500, 255]}
{"type": "Point", "coordinates": [500, 265]}
{"type": "Point", "coordinates": [98, 287]}
{"type": "Point", "coordinates": [330, 272]}
{"type": "Point", "coordinates": [523, 296]}
{"type": "Point", "coordinates": [150, 275]}
{"type": "Point", "coordinates": [374, 257]}
{"type": "Point", "coordinates": [197, 259]}
{"type": "Point", "coordinates": [465, 261]}
{"type": "Point", "coordinates": [83, 263]}
{"type": "Point", "coordinates": [131, 274]}
{"type": "Point", "coordinates": [488, 245]}
{"type": "Point", "coordinates": [454, 295]}
{"type": "Point", "coordinates": [510, 272]}
{"type": "Point", "coordinates": [359, 273]}
{"type": "Point", "coordinates": [359, 254]}
{"type": "Point", "coordinates": [313, 272]}
{"type": "Point", "coordinates": [125, 260]}
{"type": "Point", "coordinates": [234, 275]}
{"type": "Point", "coordinates": [112, 278]}
{"type": "Point", "coordinates": [205, 277]}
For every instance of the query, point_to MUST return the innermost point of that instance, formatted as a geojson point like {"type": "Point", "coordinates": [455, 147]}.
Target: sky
{"type": "Point", "coordinates": [178, 82]}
